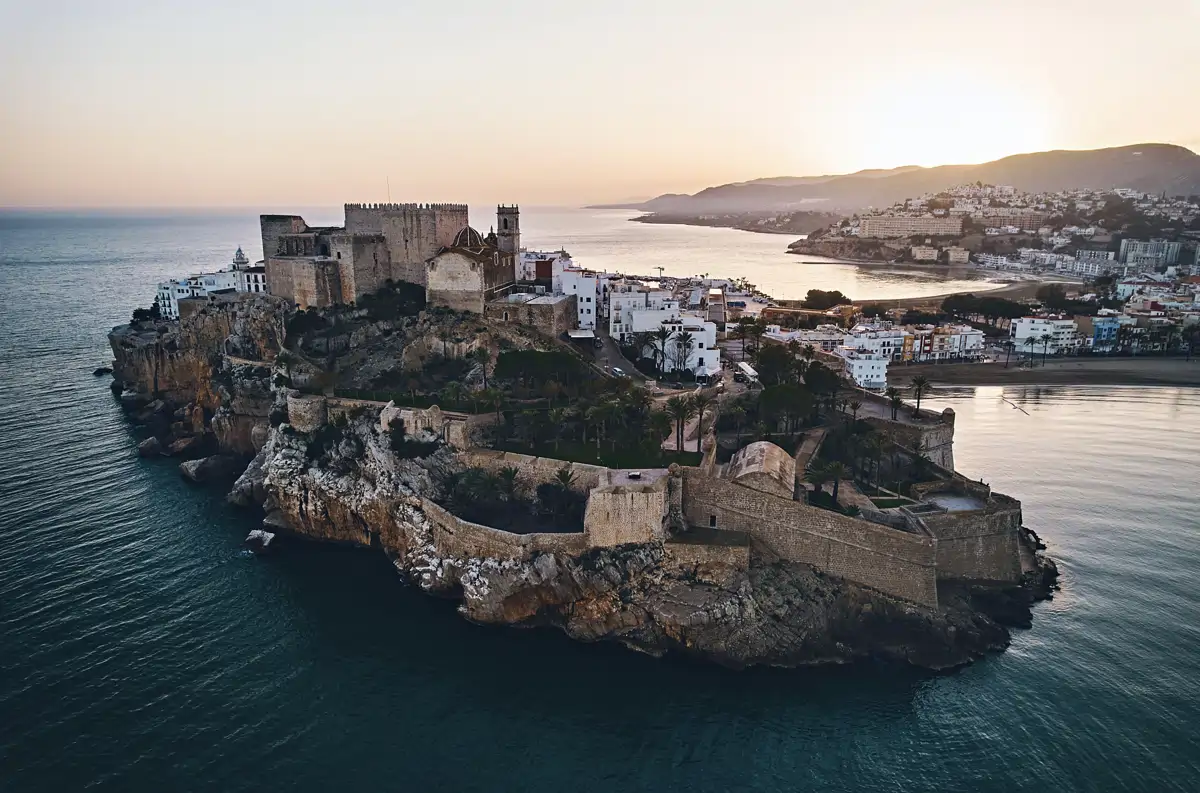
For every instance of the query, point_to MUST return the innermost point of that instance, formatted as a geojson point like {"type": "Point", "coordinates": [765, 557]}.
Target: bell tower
{"type": "Point", "coordinates": [508, 228]}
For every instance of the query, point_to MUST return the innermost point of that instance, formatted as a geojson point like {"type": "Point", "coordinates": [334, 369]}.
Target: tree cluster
{"type": "Point", "coordinates": [501, 500]}
{"type": "Point", "coordinates": [821, 300]}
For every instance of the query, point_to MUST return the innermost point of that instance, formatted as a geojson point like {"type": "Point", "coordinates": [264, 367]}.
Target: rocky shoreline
{"type": "Point", "coordinates": [347, 486]}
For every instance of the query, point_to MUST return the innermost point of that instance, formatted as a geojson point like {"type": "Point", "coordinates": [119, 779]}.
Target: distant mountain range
{"type": "Point", "coordinates": [1148, 167]}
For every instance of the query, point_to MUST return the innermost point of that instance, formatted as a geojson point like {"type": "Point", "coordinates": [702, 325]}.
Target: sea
{"type": "Point", "coordinates": [142, 649]}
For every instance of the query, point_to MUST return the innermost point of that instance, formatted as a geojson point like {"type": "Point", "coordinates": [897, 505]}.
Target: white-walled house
{"type": "Point", "coordinates": [240, 277]}
{"type": "Point", "coordinates": [866, 369]}
{"type": "Point", "coordinates": [587, 286]}
{"type": "Point", "coordinates": [1063, 334]}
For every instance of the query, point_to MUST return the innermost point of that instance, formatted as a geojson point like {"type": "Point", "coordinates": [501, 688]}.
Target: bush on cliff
{"type": "Point", "coordinates": [406, 448]}
{"type": "Point", "coordinates": [395, 299]}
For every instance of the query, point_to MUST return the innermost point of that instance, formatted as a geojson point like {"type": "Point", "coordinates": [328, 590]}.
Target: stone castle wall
{"type": "Point", "coordinates": [979, 544]}
{"type": "Point", "coordinates": [894, 562]}
{"type": "Point", "coordinates": [936, 440]}
{"type": "Point", "coordinates": [549, 319]}
{"type": "Point", "coordinates": [307, 412]}
{"type": "Point", "coordinates": [453, 536]}
{"type": "Point", "coordinates": [535, 470]}
{"type": "Point", "coordinates": [305, 281]}
{"type": "Point", "coordinates": [626, 514]}
{"type": "Point", "coordinates": [710, 563]}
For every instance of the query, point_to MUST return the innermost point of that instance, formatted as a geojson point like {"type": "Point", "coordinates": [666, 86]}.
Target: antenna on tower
{"type": "Point", "coordinates": [389, 188]}
{"type": "Point", "coordinates": [660, 271]}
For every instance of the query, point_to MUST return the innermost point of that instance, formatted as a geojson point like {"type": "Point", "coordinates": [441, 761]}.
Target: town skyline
{"type": "Point", "coordinates": [163, 104]}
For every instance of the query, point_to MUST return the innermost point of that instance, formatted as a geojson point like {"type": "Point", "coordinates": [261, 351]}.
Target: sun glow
{"type": "Point", "coordinates": [940, 121]}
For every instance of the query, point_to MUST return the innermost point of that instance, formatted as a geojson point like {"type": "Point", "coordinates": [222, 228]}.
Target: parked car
{"type": "Point", "coordinates": [617, 372]}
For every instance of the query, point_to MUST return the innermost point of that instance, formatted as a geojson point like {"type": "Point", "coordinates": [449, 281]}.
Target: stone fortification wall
{"type": "Point", "coordinates": [455, 537]}
{"type": "Point", "coordinates": [275, 226]}
{"type": "Point", "coordinates": [363, 263]}
{"type": "Point", "coordinates": [894, 562]}
{"type": "Point", "coordinates": [535, 470]}
{"type": "Point", "coordinates": [305, 281]}
{"type": "Point", "coordinates": [979, 544]}
{"type": "Point", "coordinates": [708, 562]}
{"type": "Point", "coordinates": [548, 318]}
{"type": "Point", "coordinates": [936, 440]}
{"type": "Point", "coordinates": [307, 412]}
{"type": "Point", "coordinates": [622, 514]}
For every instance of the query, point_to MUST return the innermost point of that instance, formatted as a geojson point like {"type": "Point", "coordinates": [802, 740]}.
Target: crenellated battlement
{"type": "Point", "coordinates": [387, 207]}
{"type": "Point", "coordinates": [507, 208]}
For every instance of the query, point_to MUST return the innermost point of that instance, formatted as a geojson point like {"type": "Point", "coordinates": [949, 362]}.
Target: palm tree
{"type": "Point", "coordinates": [701, 401]}
{"type": "Point", "coordinates": [660, 425]}
{"type": "Point", "coordinates": [557, 417]}
{"type": "Point", "coordinates": [875, 444]}
{"type": "Point", "coordinates": [809, 352]}
{"type": "Point", "coordinates": [508, 484]}
{"type": "Point", "coordinates": [564, 479]}
{"type": "Point", "coordinates": [741, 331]}
{"type": "Point", "coordinates": [640, 341]}
{"type": "Point", "coordinates": [837, 471]}
{"type": "Point", "coordinates": [1046, 339]}
{"type": "Point", "coordinates": [894, 399]}
{"type": "Point", "coordinates": [681, 409]}
{"type": "Point", "coordinates": [1008, 348]}
{"type": "Point", "coordinates": [661, 337]}
{"type": "Point", "coordinates": [493, 399]}
{"type": "Point", "coordinates": [855, 406]}
{"type": "Point", "coordinates": [1030, 342]}
{"type": "Point", "coordinates": [684, 342]}
{"type": "Point", "coordinates": [757, 331]}
{"type": "Point", "coordinates": [818, 475]}
{"type": "Point", "coordinates": [738, 413]}
{"type": "Point", "coordinates": [920, 387]}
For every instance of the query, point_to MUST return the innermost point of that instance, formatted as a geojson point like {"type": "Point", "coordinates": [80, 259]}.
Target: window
{"type": "Point", "coordinates": [712, 521]}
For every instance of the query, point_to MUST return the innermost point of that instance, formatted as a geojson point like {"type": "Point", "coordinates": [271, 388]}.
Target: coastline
{"type": "Point", "coordinates": [1147, 371]}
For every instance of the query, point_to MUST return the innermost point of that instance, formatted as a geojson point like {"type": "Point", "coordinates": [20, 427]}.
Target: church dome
{"type": "Point", "coordinates": [468, 238]}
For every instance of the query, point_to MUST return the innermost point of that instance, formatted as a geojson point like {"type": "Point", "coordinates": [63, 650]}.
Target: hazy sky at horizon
{"type": "Point", "coordinates": [265, 103]}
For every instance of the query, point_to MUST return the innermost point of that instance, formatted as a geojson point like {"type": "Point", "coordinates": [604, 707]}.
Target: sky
{"type": "Point", "coordinates": [148, 103]}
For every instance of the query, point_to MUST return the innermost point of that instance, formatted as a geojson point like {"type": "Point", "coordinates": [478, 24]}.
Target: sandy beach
{"type": "Point", "coordinates": [1063, 371]}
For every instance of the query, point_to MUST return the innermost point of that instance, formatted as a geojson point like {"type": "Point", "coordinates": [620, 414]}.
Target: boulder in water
{"type": "Point", "coordinates": [218, 466]}
{"type": "Point", "coordinates": [151, 447]}
{"type": "Point", "coordinates": [259, 541]}
{"type": "Point", "coordinates": [102, 370]}
{"type": "Point", "coordinates": [183, 446]}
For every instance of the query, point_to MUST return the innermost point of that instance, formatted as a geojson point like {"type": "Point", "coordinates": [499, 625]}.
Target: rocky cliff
{"type": "Point", "coordinates": [206, 376]}
{"type": "Point", "coordinates": [212, 382]}
{"type": "Point", "coordinates": [347, 487]}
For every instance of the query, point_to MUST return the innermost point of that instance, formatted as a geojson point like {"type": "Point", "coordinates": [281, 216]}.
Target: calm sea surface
{"type": "Point", "coordinates": [142, 650]}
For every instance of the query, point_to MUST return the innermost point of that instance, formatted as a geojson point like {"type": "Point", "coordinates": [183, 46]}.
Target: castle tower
{"type": "Point", "coordinates": [508, 228]}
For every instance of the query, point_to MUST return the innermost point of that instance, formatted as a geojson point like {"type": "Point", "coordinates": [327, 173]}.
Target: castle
{"type": "Point", "coordinates": [430, 245]}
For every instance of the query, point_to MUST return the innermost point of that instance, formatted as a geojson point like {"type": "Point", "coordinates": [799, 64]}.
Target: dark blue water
{"type": "Point", "coordinates": [142, 650]}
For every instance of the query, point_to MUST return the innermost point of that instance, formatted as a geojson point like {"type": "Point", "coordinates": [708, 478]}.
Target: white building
{"type": "Point", "coordinates": [1143, 252]}
{"type": "Point", "coordinates": [628, 297]}
{"type": "Point", "coordinates": [888, 342]}
{"type": "Point", "coordinates": [692, 345]}
{"type": "Point", "coordinates": [546, 265]}
{"type": "Point", "coordinates": [240, 277]}
{"type": "Point", "coordinates": [588, 288]}
{"type": "Point", "coordinates": [866, 369]}
{"type": "Point", "coordinates": [1063, 334]}
{"type": "Point", "coordinates": [251, 277]}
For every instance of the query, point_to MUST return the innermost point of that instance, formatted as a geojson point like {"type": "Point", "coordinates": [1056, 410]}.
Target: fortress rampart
{"type": "Point", "coordinates": [894, 562]}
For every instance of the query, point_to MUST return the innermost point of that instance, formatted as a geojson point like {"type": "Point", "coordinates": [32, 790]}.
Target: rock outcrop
{"type": "Point", "coordinates": [776, 613]}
